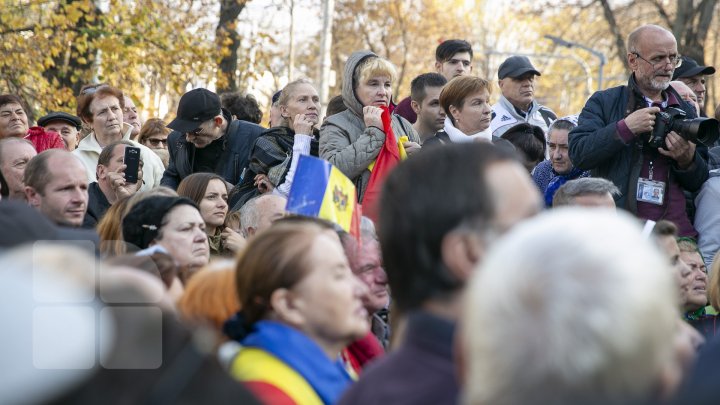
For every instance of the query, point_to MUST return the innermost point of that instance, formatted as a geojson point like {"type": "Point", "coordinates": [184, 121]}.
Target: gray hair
{"type": "Point", "coordinates": [367, 228]}
{"type": "Point", "coordinates": [249, 213]}
{"type": "Point", "coordinates": [6, 141]}
{"type": "Point", "coordinates": [566, 194]}
{"type": "Point", "coordinates": [562, 123]}
{"type": "Point", "coordinates": [594, 324]}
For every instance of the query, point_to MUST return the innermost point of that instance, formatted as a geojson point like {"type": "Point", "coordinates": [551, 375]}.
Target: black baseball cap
{"type": "Point", "coordinates": [690, 68]}
{"type": "Point", "coordinates": [516, 66]}
{"type": "Point", "coordinates": [60, 116]}
{"type": "Point", "coordinates": [195, 107]}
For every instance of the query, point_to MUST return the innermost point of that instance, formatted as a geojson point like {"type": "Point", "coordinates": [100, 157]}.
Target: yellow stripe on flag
{"type": "Point", "coordinates": [339, 201]}
{"type": "Point", "coordinates": [254, 364]}
{"type": "Point", "coordinates": [401, 150]}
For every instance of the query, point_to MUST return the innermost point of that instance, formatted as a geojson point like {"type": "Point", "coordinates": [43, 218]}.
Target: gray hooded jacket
{"type": "Point", "coordinates": [346, 142]}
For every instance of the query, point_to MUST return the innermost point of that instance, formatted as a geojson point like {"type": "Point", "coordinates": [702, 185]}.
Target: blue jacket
{"type": "Point", "coordinates": [595, 145]}
{"type": "Point", "coordinates": [239, 139]}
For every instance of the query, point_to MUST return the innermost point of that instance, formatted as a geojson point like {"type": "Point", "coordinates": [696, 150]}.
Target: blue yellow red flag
{"type": "Point", "coordinates": [321, 190]}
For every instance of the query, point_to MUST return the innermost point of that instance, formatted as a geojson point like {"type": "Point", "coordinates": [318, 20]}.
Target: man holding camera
{"type": "Point", "coordinates": [623, 136]}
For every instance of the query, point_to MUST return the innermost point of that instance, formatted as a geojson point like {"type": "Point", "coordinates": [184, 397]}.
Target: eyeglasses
{"type": "Point", "coordinates": [660, 61]}
{"type": "Point", "coordinates": [156, 142]}
{"type": "Point", "coordinates": [92, 89]}
{"type": "Point", "coordinates": [197, 132]}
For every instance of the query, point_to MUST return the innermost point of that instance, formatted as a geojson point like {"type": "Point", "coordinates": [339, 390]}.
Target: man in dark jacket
{"type": "Point", "coordinates": [207, 139]}
{"type": "Point", "coordinates": [430, 251]}
{"type": "Point", "coordinates": [616, 124]}
{"type": "Point", "coordinates": [110, 185]}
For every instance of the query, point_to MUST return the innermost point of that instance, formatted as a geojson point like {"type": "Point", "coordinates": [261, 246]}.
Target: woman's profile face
{"type": "Point", "coordinates": [375, 91]}
{"type": "Point", "coordinates": [183, 236]}
{"type": "Point", "coordinates": [475, 114]}
{"type": "Point", "coordinates": [329, 297]}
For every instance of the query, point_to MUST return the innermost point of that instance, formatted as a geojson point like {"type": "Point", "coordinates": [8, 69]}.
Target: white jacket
{"type": "Point", "coordinates": [89, 149]}
{"type": "Point", "coordinates": [505, 116]}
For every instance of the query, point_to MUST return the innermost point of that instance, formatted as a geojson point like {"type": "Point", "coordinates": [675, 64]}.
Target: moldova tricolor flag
{"type": "Point", "coordinates": [321, 190]}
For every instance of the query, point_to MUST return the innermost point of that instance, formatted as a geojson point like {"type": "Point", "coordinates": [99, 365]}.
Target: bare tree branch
{"type": "Point", "coordinates": [661, 10]}
{"type": "Point", "coordinates": [615, 30]}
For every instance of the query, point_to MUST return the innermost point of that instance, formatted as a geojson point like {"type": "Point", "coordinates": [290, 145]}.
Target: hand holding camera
{"type": "Point", "coordinates": [678, 149]}
{"type": "Point", "coordinates": [642, 120]}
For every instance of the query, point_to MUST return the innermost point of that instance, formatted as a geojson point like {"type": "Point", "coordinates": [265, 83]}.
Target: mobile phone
{"type": "Point", "coordinates": [132, 164]}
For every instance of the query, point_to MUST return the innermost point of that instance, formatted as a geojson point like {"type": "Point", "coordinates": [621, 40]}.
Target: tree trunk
{"type": "Point", "coordinates": [228, 42]}
{"type": "Point", "coordinates": [692, 43]}
{"type": "Point", "coordinates": [615, 30]}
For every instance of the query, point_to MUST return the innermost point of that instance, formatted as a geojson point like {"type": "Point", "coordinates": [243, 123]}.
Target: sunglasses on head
{"type": "Point", "coordinates": [92, 89]}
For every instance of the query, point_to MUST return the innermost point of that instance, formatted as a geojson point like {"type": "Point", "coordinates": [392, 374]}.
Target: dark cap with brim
{"type": "Point", "coordinates": [690, 68]}
{"type": "Point", "coordinates": [60, 116]}
{"type": "Point", "coordinates": [516, 66]}
{"type": "Point", "coordinates": [195, 107]}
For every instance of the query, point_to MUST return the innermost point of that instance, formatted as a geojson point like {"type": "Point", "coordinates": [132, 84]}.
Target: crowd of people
{"type": "Point", "coordinates": [513, 256]}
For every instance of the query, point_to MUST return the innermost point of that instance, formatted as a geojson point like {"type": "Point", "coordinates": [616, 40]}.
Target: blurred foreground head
{"type": "Point", "coordinates": [441, 209]}
{"type": "Point", "coordinates": [596, 324]}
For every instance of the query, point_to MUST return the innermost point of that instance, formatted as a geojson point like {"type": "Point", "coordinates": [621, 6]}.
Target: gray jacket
{"type": "Point", "coordinates": [707, 210]}
{"type": "Point", "coordinates": [346, 142]}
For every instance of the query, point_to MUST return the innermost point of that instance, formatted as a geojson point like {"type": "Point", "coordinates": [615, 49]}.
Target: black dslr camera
{"type": "Point", "coordinates": [703, 130]}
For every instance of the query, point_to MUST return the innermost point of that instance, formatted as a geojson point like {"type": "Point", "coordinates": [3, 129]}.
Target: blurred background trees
{"type": "Point", "coordinates": [157, 49]}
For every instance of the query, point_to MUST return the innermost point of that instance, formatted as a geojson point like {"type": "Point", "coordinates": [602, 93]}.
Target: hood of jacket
{"type": "Point", "coordinates": [348, 86]}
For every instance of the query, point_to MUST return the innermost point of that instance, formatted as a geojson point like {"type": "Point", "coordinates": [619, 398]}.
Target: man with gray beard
{"type": "Point", "coordinates": [616, 124]}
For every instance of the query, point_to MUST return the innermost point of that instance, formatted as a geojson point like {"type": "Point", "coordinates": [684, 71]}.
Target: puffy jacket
{"type": "Point", "coordinates": [595, 145]}
{"type": "Point", "coordinates": [346, 142]}
{"type": "Point", "coordinates": [238, 140]}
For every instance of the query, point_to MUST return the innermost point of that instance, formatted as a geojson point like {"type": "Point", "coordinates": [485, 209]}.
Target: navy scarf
{"type": "Point", "coordinates": [558, 181]}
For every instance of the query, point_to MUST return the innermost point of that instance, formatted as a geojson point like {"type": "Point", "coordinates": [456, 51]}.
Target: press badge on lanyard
{"type": "Point", "coordinates": [649, 190]}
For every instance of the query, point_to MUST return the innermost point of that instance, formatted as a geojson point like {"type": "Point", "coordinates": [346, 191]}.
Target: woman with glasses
{"type": "Point", "coordinates": [153, 134]}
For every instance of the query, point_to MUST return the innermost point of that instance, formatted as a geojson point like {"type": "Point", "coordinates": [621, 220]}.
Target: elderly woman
{"type": "Point", "coordinates": [351, 140]}
{"type": "Point", "coordinates": [174, 225]}
{"type": "Point", "coordinates": [210, 192]}
{"type": "Point", "coordinates": [301, 305]}
{"type": "Point", "coordinates": [274, 157]}
{"type": "Point", "coordinates": [550, 174]}
{"type": "Point", "coordinates": [100, 106]}
{"type": "Point", "coordinates": [466, 101]}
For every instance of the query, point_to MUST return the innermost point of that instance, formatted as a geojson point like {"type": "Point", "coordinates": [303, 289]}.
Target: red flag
{"type": "Point", "coordinates": [386, 160]}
